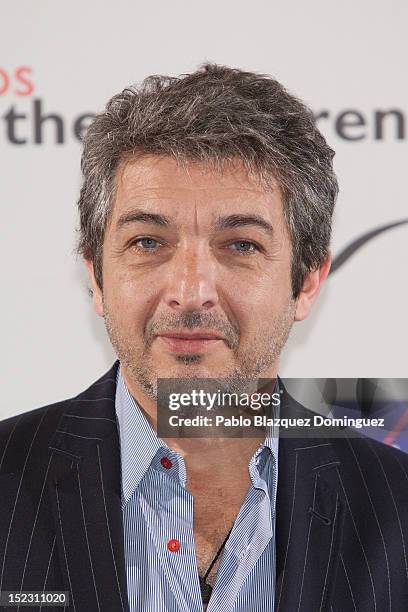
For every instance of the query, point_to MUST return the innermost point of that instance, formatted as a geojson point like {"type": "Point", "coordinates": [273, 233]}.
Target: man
{"type": "Point", "coordinates": [205, 221]}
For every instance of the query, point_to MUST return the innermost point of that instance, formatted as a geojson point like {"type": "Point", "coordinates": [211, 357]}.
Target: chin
{"type": "Point", "coordinates": [187, 368]}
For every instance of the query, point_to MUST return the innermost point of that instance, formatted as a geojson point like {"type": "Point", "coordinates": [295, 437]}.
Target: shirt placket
{"type": "Point", "coordinates": [252, 531]}
{"type": "Point", "coordinates": [168, 513]}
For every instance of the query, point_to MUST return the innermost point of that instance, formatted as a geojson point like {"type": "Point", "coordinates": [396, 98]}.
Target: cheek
{"type": "Point", "coordinates": [259, 305]}
{"type": "Point", "coordinates": [263, 294]}
{"type": "Point", "coordinates": [127, 298]}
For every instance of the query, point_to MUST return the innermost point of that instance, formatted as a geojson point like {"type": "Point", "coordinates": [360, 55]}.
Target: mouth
{"type": "Point", "coordinates": [198, 341]}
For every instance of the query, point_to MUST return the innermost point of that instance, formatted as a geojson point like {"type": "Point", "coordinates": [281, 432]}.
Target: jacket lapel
{"type": "Point", "coordinates": [309, 518]}
{"type": "Point", "coordinates": [85, 495]}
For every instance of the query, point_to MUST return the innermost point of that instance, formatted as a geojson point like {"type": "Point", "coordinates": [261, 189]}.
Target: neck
{"type": "Point", "coordinates": [219, 452]}
{"type": "Point", "coordinates": [216, 455]}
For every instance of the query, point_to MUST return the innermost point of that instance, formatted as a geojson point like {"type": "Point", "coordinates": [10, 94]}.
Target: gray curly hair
{"type": "Point", "coordinates": [215, 115]}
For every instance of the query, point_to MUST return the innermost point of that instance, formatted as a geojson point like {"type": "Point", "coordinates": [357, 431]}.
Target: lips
{"type": "Point", "coordinates": [183, 341]}
{"type": "Point", "coordinates": [193, 335]}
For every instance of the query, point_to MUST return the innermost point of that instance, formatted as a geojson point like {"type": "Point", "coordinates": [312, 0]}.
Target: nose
{"type": "Point", "coordinates": [192, 280]}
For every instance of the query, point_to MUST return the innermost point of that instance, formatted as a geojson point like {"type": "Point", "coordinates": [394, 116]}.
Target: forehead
{"type": "Point", "coordinates": [165, 183]}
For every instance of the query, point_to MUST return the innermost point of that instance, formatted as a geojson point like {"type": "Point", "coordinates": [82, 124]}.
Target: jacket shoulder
{"type": "Point", "coordinates": [25, 438]}
{"type": "Point", "coordinates": [374, 477]}
{"type": "Point", "coordinates": [27, 435]}
{"type": "Point", "coordinates": [362, 448]}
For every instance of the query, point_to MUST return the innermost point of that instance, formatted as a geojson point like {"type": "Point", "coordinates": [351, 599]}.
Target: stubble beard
{"type": "Point", "coordinates": [259, 355]}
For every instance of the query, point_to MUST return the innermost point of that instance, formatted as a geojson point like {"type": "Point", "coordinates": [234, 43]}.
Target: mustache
{"type": "Point", "coordinates": [193, 320]}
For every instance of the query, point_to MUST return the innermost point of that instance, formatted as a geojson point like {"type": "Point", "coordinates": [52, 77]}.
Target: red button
{"type": "Point", "coordinates": [165, 461]}
{"type": "Point", "coordinates": [173, 545]}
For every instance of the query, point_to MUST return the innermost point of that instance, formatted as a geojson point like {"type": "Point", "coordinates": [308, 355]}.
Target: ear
{"type": "Point", "coordinates": [311, 288]}
{"type": "Point", "coordinates": [96, 290]}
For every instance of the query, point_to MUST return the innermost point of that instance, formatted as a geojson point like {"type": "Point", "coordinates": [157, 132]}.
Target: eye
{"type": "Point", "coordinates": [146, 243]}
{"type": "Point", "coordinates": [244, 246]}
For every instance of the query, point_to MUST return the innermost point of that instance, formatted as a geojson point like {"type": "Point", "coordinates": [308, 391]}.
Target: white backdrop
{"type": "Point", "coordinates": [71, 57]}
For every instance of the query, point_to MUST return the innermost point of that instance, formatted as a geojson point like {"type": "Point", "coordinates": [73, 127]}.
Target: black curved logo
{"type": "Point", "coordinates": [357, 243]}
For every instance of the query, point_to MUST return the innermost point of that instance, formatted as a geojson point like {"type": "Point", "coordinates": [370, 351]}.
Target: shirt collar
{"type": "Point", "coordinates": [139, 442]}
{"type": "Point", "coordinates": [271, 442]}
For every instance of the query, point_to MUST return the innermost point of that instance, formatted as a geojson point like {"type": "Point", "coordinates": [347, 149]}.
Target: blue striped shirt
{"type": "Point", "coordinates": [157, 508]}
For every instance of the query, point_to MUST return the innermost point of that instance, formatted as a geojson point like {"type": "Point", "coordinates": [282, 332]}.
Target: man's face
{"type": "Point", "coordinates": [196, 274]}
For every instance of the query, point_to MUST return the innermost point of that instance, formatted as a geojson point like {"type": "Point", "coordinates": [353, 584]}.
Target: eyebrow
{"type": "Point", "coordinates": [138, 215]}
{"type": "Point", "coordinates": [231, 221]}
{"type": "Point", "coordinates": [225, 222]}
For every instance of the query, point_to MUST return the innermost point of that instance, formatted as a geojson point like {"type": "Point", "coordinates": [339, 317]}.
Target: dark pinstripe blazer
{"type": "Point", "coordinates": [342, 512]}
